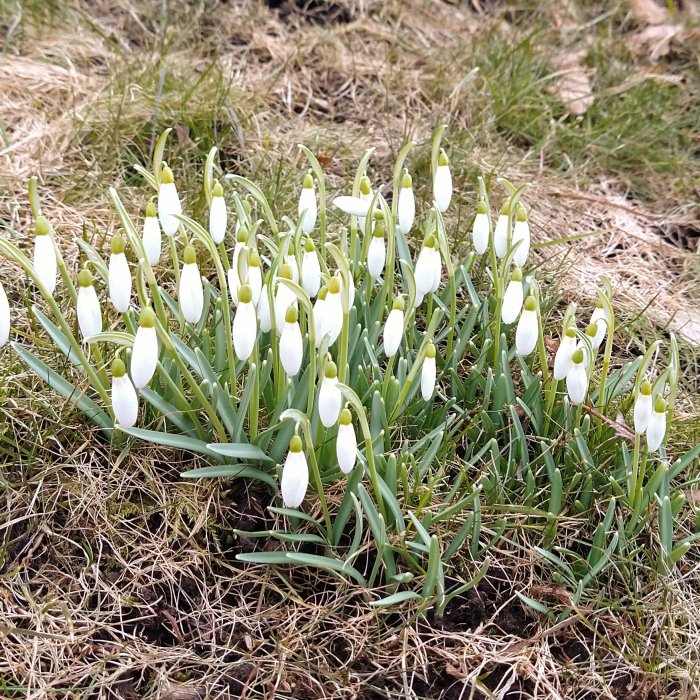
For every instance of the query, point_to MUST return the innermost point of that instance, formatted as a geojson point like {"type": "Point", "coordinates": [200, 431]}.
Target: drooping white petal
{"type": "Point", "coordinates": [500, 235]}
{"type": "Point", "coordinates": [527, 333]}
{"type": "Point", "coordinates": [428, 375]}
{"type": "Point", "coordinates": [119, 282]}
{"type": "Point", "coordinates": [393, 332]}
{"type": "Point", "coordinates": [521, 235]}
{"type": "Point", "coordinates": [577, 383]}
{"type": "Point", "coordinates": [419, 299]}
{"type": "Point", "coordinates": [295, 479]}
{"type": "Point", "coordinates": [656, 430]}
{"type": "Point", "coordinates": [144, 356]}
{"type": "Point", "coordinates": [407, 209]}
{"type": "Point", "coordinates": [291, 348]}
{"type": "Point", "coordinates": [89, 312]}
{"type": "Point", "coordinates": [352, 205]}
{"type": "Point", "coordinates": [310, 273]}
{"type": "Point", "coordinates": [562, 358]}
{"type": "Point", "coordinates": [376, 257]}
{"type": "Point", "coordinates": [4, 317]}
{"type": "Point", "coordinates": [125, 403]}
{"type": "Point", "coordinates": [319, 321]}
{"type": "Point", "coordinates": [283, 300]}
{"type": "Point", "coordinates": [264, 310]}
{"type": "Point", "coordinates": [442, 187]}
{"type": "Point", "coordinates": [333, 317]}
{"type": "Point", "coordinates": [424, 271]}
{"type": "Point", "coordinates": [152, 239]}
{"type": "Point", "coordinates": [643, 407]}
{"type": "Point", "coordinates": [599, 318]}
{"type": "Point", "coordinates": [191, 293]}
{"type": "Point", "coordinates": [329, 401]}
{"type": "Point", "coordinates": [169, 208]}
{"type": "Point", "coordinates": [346, 447]}
{"type": "Point", "coordinates": [244, 330]}
{"type": "Point", "coordinates": [307, 203]}
{"type": "Point", "coordinates": [218, 219]}
{"type": "Point", "coordinates": [45, 262]}
{"type": "Point", "coordinates": [512, 302]}
{"type": "Point", "coordinates": [480, 233]}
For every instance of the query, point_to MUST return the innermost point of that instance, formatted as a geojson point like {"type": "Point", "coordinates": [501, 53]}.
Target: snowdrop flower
{"type": "Point", "coordinates": [125, 403]}
{"type": "Point", "coordinates": [310, 269]}
{"type": "Point", "coordinates": [407, 204]}
{"type": "Point", "coordinates": [428, 267]}
{"type": "Point", "coordinates": [45, 255]}
{"type": "Point", "coordinates": [513, 297]}
{"type": "Point", "coordinates": [428, 373]}
{"type": "Point", "coordinates": [245, 324]}
{"type": "Point", "coordinates": [528, 330]}
{"type": "Point", "coordinates": [239, 261]}
{"type": "Point", "coordinates": [562, 358]}
{"type": "Point", "coordinates": [393, 328]}
{"type": "Point", "coordinates": [218, 216]}
{"type": "Point", "coordinates": [329, 396]}
{"type": "Point", "coordinates": [366, 196]}
{"type": "Point", "coordinates": [4, 317]}
{"type": "Point", "coordinates": [307, 204]}
{"type": "Point", "coordinates": [295, 475]}
{"type": "Point", "coordinates": [352, 205]}
{"type": "Point", "coordinates": [577, 378]}
{"type": "Point", "coordinates": [151, 235]}
{"type": "Point", "coordinates": [291, 260]}
{"type": "Point", "coordinates": [657, 425]}
{"type": "Point", "coordinates": [643, 408]}
{"type": "Point", "coordinates": [442, 184]}
{"type": "Point", "coordinates": [480, 229]}
{"type": "Point", "coordinates": [191, 291]}
{"type": "Point", "coordinates": [119, 276]}
{"type": "Point", "coordinates": [599, 317]}
{"type": "Point", "coordinates": [333, 311]}
{"type": "Point", "coordinates": [169, 207]}
{"type": "Point", "coordinates": [521, 236]}
{"type": "Point", "coordinates": [144, 356]}
{"type": "Point", "coordinates": [254, 275]}
{"type": "Point", "coordinates": [376, 253]}
{"type": "Point", "coordinates": [291, 343]}
{"type": "Point", "coordinates": [264, 310]}
{"type": "Point", "coordinates": [346, 443]}
{"type": "Point", "coordinates": [88, 311]}
{"type": "Point", "coordinates": [319, 316]}
{"type": "Point", "coordinates": [502, 234]}
{"type": "Point", "coordinates": [284, 298]}
{"type": "Point", "coordinates": [585, 347]}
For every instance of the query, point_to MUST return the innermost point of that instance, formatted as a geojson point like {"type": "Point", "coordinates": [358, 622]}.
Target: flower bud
{"type": "Point", "coordinates": [329, 396]}
{"type": "Point", "coordinates": [513, 298]}
{"type": "Point", "coordinates": [527, 332]}
{"type": "Point", "coordinates": [376, 254]}
{"type": "Point", "coordinates": [119, 276]}
{"type": "Point", "coordinates": [88, 307]}
{"type": "Point", "coordinates": [393, 328]}
{"type": "Point", "coordinates": [346, 443]}
{"type": "Point", "coordinates": [191, 290]}
{"type": "Point", "coordinates": [310, 270]}
{"type": "Point", "coordinates": [151, 235]}
{"type": "Point", "coordinates": [428, 373]}
{"type": "Point", "coordinates": [125, 403]}
{"type": "Point", "coordinates": [307, 204]}
{"type": "Point", "coordinates": [480, 228]}
{"type": "Point", "coordinates": [218, 215]}
{"type": "Point", "coordinates": [577, 379]}
{"type": "Point", "coordinates": [169, 207]}
{"type": "Point", "coordinates": [245, 324]}
{"type": "Point", "coordinates": [643, 407]}
{"type": "Point", "coordinates": [295, 475]}
{"type": "Point", "coordinates": [144, 356]}
{"type": "Point", "coordinates": [407, 204]}
{"type": "Point", "coordinates": [442, 184]}
{"type": "Point", "coordinates": [45, 263]}
{"type": "Point", "coordinates": [502, 234]}
{"type": "Point", "coordinates": [291, 343]}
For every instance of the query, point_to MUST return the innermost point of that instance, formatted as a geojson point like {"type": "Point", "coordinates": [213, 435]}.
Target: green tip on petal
{"type": "Point", "coordinates": [189, 256]}
{"type": "Point", "coordinates": [290, 248]}
{"type": "Point", "coordinates": [406, 180]}
{"type": "Point", "coordinates": [577, 357]}
{"type": "Point", "coordinates": [253, 258]}
{"type": "Point", "coordinates": [308, 181]}
{"type": "Point", "coordinates": [295, 444]}
{"type": "Point", "coordinates": [591, 330]}
{"type": "Point", "coordinates": [292, 315]}
{"type": "Point", "coordinates": [517, 275]}
{"type": "Point", "coordinates": [598, 304]}
{"type": "Point", "coordinates": [431, 351]}
{"type": "Point", "coordinates": [331, 371]}
{"type": "Point", "coordinates": [245, 294]}
{"type": "Point", "coordinates": [334, 285]}
{"type": "Point", "coordinates": [166, 176]}
{"type": "Point", "coordinates": [217, 190]}
{"type": "Point", "coordinates": [430, 241]}
{"type": "Point", "coordinates": [660, 405]}
{"type": "Point", "coordinates": [398, 303]}
{"type": "Point", "coordinates": [117, 244]}
{"type": "Point", "coordinates": [285, 271]}
{"type": "Point", "coordinates": [147, 318]}
{"type": "Point", "coordinates": [118, 368]}
{"type": "Point", "coordinates": [570, 333]}
{"type": "Point", "coordinates": [323, 292]}
{"type": "Point", "coordinates": [443, 159]}
{"type": "Point", "coordinates": [505, 209]}
{"type": "Point", "coordinates": [365, 185]}
{"type": "Point", "coordinates": [151, 210]}
{"type": "Point", "coordinates": [520, 212]}
{"type": "Point", "coordinates": [481, 207]}
{"type": "Point", "coordinates": [645, 389]}
{"type": "Point", "coordinates": [530, 304]}
{"type": "Point", "coordinates": [85, 278]}
{"type": "Point", "coordinates": [309, 246]}
{"type": "Point", "coordinates": [345, 417]}
{"type": "Point", "coordinates": [42, 226]}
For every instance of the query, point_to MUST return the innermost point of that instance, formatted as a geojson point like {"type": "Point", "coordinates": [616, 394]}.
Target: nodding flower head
{"type": "Point", "coordinates": [643, 407]}
{"type": "Point", "coordinates": [191, 290]}
{"type": "Point", "coordinates": [521, 236]}
{"type": "Point", "coordinates": [218, 215]}
{"type": "Point", "coordinates": [577, 378]}
{"type": "Point", "coordinates": [393, 328]}
{"type": "Point", "coordinates": [285, 296]}
{"type": "Point", "coordinates": [599, 318]}
{"type": "Point", "coordinates": [442, 184]}
{"type": "Point", "coordinates": [295, 474]}
{"type": "Point", "coordinates": [245, 324]}
{"type": "Point", "coordinates": [428, 266]}
{"type": "Point", "coordinates": [144, 356]}
{"type": "Point", "coordinates": [125, 403]}
{"type": "Point", "coordinates": [376, 253]}
{"type": "Point", "coordinates": [329, 396]}
{"type": "Point", "coordinates": [527, 332]}
{"type": "Point", "coordinates": [513, 297]}
{"type": "Point", "coordinates": [480, 229]}
{"type": "Point", "coordinates": [562, 358]}
{"type": "Point", "coordinates": [119, 276]}
{"type": "Point", "coordinates": [291, 343]}
{"type": "Point", "coordinates": [407, 204]}
{"type": "Point", "coordinates": [88, 307]}
{"type": "Point", "coordinates": [169, 207]}
{"type": "Point", "coordinates": [307, 204]}
{"type": "Point", "coordinates": [428, 373]}
{"type": "Point", "coordinates": [333, 311]}
{"type": "Point", "coordinates": [45, 263]}
{"type": "Point", "coordinates": [501, 235]}
{"type": "Point", "coordinates": [346, 442]}
{"type": "Point", "coordinates": [657, 425]}
{"type": "Point", "coordinates": [310, 269]}
{"type": "Point", "coordinates": [152, 239]}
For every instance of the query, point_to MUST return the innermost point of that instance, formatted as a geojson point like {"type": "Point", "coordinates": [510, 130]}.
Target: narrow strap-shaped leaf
{"type": "Point", "coordinates": [230, 471]}
{"type": "Point", "coordinates": [57, 335]}
{"type": "Point", "coordinates": [181, 442]}
{"type": "Point", "coordinates": [239, 450]}
{"type": "Point", "coordinates": [168, 411]}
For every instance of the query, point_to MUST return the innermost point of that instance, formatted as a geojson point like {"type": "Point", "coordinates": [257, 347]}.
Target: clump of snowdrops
{"type": "Point", "coordinates": [341, 357]}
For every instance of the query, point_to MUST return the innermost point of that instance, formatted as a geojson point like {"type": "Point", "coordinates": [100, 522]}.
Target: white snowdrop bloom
{"type": "Point", "coordinates": [191, 291]}
{"type": "Point", "coordinates": [239, 264]}
{"type": "Point", "coordinates": [245, 324]}
{"type": "Point", "coordinates": [346, 443]}
{"type": "Point", "coordinates": [528, 330]}
{"type": "Point", "coordinates": [218, 215]}
{"type": "Point", "coordinates": [144, 355]}
{"type": "Point", "coordinates": [656, 429]}
{"type": "Point", "coordinates": [333, 311]}
{"type": "Point", "coordinates": [88, 307]}
{"type": "Point", "coordinates": [393, 328]}
{"type": "Point", "coordinates": [501, 234]}
{"type": "Point", "coordinates": [600, 319]}
{"type": "Point", "coordinates": [425, 266]}
{"type": "Point", "coordinates": [4, 317]}
{"type": "Point", "coordinates": [562, 358]}
{"type": "Point", "coordinates": [319, 316]}
{"type": "Point", "coordinates": [45, 262]}
{"type": "Point", "coordinates": [169, 207]}
{"type": "Point", "coordinates": [442, 184]}
{"type": "Point", "coordinates": [291, 343]}
{"type": "Point", "coordinates": [643, 407]}
{"type": "Point", "coordinates": [577, 379]}
{"type": "Point", "coordinates": [125, 403]}
{"type": "Point", "coordinates": [407, 204]}
{"type": "Point", "coordinates": [255, 279]}
{"type": "Point", "coordinates": [436, 264]}
{"type": "Point", "coordinates": [119, 276]}
{"type": "Point", "coordinates": [513, 298]}
{"type": "Point", "coordinates": [284, 298]}
{"type": "Point", "coordinates": [310, 269]}
{"type": "Point", "coordinates": [307, 204]}
{"type": "Point", "coordinates": [295, 475]}
{"type": "Point", "coordinates": [151, 238]}
{"type": "Point", "coordinates": [329, 396]}
{"type": "Point", "coordinates": [480, 229]}
{"type": "Point", "coordinates": [521, 236]}
{"type": "Point", "coordinates": [587, 347]}
{"type": "Point", "coordinates": [376, 253]}
{"type": "Point", "coordinates": [264, 310]}
{"type": "Point", "coordinates": [428, 373]}
{"type": "Point", "coordinates": [366, 196]}
{"type": "Point", "coordinates": [352, 205]}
